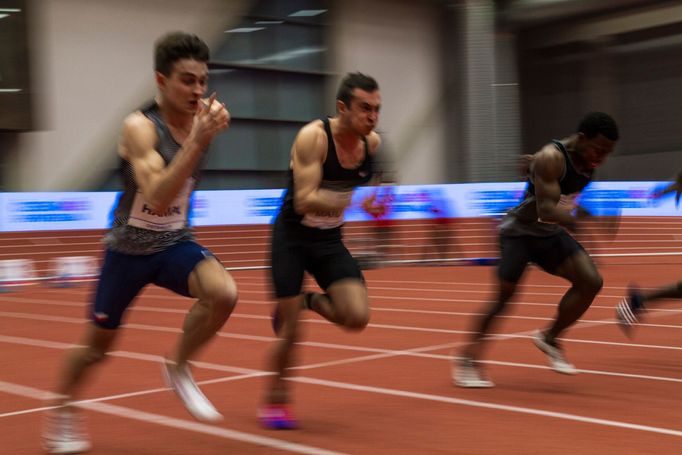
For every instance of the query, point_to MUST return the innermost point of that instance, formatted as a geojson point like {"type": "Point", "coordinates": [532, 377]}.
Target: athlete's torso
{"type": "Point", "coordinates": [137, 228]}
{"type": "Point", "coordinates": [523, 219]}
{"type": "Point", "coordinates": [335, 178]}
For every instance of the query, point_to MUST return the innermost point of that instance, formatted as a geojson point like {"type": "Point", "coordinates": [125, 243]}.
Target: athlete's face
{"type": "Point", "coordinates": [185, 85]}
{"type": "Point", "coordinates": [362, 115]}
{"type": "Point", "coordinates": [594, 150]}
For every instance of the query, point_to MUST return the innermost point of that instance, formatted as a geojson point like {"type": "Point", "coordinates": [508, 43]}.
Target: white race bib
{"type": "Point", "coordinates": [329, 219]}
{"type": "Point", "coordinates": [142, 215]}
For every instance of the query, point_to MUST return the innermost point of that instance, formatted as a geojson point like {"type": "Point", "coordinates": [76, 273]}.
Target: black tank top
{"type": "Point", "coordinates": [334, 178]}
{"type": "Point", "coordinates": [523, 219]}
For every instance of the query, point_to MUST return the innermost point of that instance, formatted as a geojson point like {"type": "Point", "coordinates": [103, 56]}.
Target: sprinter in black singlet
{"type": "Point", "coordinates": [329, 158]}
{"type": "Point", "coordinates": [161, 150]}
{"type": "Point", "coordinates": [535, 231]}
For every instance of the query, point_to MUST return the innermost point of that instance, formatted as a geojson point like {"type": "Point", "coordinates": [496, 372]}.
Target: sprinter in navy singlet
{"type": "Point", "coordinates": [329, 158]}
{"type": "Point", "coordinates": [536, 231]}
{"type": "Point", "coordinates": [161, 150]}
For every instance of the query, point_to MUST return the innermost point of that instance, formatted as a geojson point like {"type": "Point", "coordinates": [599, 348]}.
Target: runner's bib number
{"type": "Point", "coordinates": [142, 215]}
{"type": "Point", "coordinates": [329, 219]}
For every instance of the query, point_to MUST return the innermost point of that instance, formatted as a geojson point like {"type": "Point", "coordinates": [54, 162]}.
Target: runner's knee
{"type": "Point", "coordinates": [94, 354]}
{"type": "Point", "coordinates": [223, 302]}
{"type": "Point", "coordinates": [357, 318]}
{"type": "Point", "coordinates": [505, 293]}
{"type": "Point", "coordinates": [497, 307]}
{"type": "Point", "coordinates": [288, 331]}
{"type": "Point", "coordinates": [592, 284]}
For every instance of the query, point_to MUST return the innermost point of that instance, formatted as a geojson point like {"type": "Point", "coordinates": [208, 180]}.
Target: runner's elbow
{"type": "Point", "coordinates": [546, 214]}
{"type": "Point", "coordinates": [301, 205]}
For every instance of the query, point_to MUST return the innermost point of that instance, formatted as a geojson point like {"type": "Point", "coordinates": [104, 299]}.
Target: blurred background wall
{"type": "Point", "coordinates": [397, 42]}
{"type": "Point", "coordinates": [91, 62]}
{"type": "Point", "coordinates": [467, 85]}
{"type": "Point", "coordinates": [622, 57]}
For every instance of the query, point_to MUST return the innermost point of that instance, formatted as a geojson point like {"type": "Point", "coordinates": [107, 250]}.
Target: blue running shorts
{"type": "Point", "coordinates": [124, 275]}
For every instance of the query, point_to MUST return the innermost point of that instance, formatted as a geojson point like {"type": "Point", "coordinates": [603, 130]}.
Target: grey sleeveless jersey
{"type": "Point", "coordinates": [137, 229]}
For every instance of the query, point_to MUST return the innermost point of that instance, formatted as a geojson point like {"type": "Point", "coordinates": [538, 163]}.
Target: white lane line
{"type": "Point", "coordinates": [421, 352]}
{"type": "Point", "coordinates": [154, 309]}
{"type": "Point", "coordinates": [98, 406]}
{"type": "Point", "coordinates": [37, 343]}
{"type": "Point", "coordinates": [31, 316]}
{"type": "Point", "coordinates": [155, 294]}
{"type": "Point", "coordinates": [171, 422]}
{"type": "Point", "coordinates": [159, 359]}
{"type": "Point", "coordinates": [42, 317]}
{"type": "Point", "coordinates": [374, 308]}
{"type": "Point", "coordinates": [483, 404]}
{"type": "Point", "coordinates": [196, 427]}
{"type": "Point", "coordinates": [595, 372]}
{"type": "Point", "coordinates": [27, 411]}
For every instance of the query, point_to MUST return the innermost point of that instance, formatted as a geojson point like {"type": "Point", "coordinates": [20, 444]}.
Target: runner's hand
{"type": "Point", "coordinates": [211, 118]}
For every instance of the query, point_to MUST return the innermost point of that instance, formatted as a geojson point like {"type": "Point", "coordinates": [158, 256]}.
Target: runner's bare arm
{"type": "Point", "coordinates": [161, 183]}
{"type": "Point", "coordinates": [307, 157]}
{"type": "Point", "coordinates": [547, 168]}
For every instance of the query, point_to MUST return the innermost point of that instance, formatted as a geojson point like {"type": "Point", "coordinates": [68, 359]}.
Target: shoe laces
{"type": "Point", "coordinates": [556, 351]}
{"type": "Point", "coordinates": [66, 425]}
{"type": "Point", "coordinates": [468, 368]}
{"type": "Point", "coordinates": [626, 313]}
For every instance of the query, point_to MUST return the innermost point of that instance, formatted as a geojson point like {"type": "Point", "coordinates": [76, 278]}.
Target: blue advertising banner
{"type": "Point", "coordinates": [60, 211]}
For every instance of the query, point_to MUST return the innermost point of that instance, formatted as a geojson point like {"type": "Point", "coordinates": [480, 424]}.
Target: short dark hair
{"type": "Point", "coordinates": [596, 123]}
{"type": "Point", "coordinates": [352, 81]}
{"type": "Point", "coordinates": [176, 46]}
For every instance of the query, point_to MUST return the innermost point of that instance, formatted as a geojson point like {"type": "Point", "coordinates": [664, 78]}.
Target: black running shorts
{"type": "Point", "coordinates": [320, 252]}
{"type": "Point", "coordinates": [547, 252]}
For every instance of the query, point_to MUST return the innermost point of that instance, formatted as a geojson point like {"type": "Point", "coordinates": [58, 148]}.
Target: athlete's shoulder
{"type": "Point", "coordinates": [373, 141]}
{"type": "Point", "coordinates": [549, 151]}
{"type": "Point", "coordinates": [136, 120]}
{"type": "Point", "coordinates": [312, 135]}
{"type": "Point", "coordinates": [549, 161]}
{"type": "Point", "coordinates": [138, 133]}
{"type": "Point", "coordinates": [316, 127]}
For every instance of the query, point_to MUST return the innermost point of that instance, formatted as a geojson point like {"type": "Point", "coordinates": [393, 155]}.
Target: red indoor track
{"type": "Point", "coordinates": [386, 390]}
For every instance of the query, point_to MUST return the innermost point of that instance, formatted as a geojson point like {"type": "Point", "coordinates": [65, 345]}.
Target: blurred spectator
{"type": "Point", "coordinates": [441, 243]}
{"type": "Point", "coordinates": [382, 225]}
